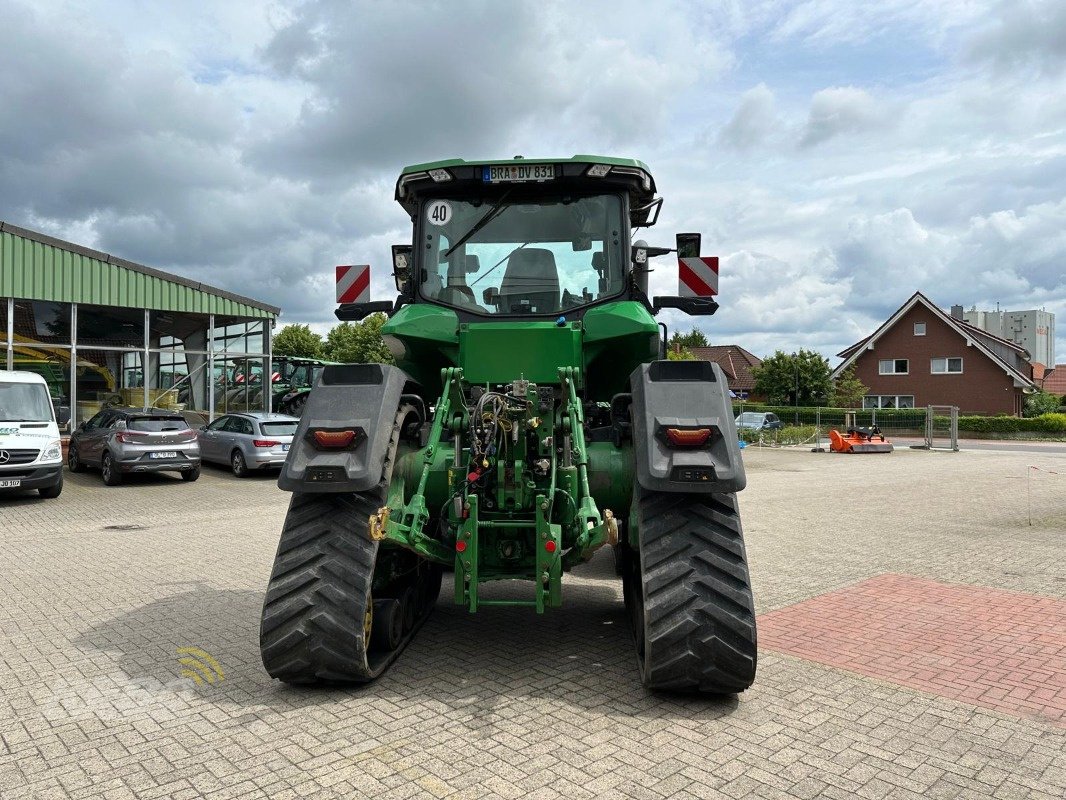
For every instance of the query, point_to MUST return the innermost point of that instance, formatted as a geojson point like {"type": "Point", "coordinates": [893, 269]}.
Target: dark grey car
{"type": "Point", "coordinates": [248, 440]}
{"type": "Point", "coordinates": [121, 440]}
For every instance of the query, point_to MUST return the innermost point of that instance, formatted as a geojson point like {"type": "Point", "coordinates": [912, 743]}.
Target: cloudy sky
{"type": "Point", "coordinates": [837, 155]}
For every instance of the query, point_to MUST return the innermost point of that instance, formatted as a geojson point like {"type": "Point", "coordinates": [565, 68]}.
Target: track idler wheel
{"type": "Point", "coordinates": [386, 633]}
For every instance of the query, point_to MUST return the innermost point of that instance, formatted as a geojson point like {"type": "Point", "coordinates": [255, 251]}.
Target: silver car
{"type": "Point", "coordinates": [248, 440]}
{"type": "Point", "coordinates": [122, 440]}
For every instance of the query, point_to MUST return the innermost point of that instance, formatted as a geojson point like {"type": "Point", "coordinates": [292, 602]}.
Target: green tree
{"type": "Point", "coordinates": [358, 342]}
{"type": "Point", "coordinates": [1041, 403]}
{"type": "Point", "coordinates": [299, 341]}
{"type": "Point", "coordinates": [686, 341]}
{"type": "Point", "coordinates": [780, 376]}
{"type": "Point", "coordinates": [848, 391]}
{"type": "Point", "coordinates": [677, 353]}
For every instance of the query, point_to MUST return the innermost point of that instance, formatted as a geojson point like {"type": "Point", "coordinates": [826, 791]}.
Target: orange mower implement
{"type": "Point", "coordinates": [859, 440]}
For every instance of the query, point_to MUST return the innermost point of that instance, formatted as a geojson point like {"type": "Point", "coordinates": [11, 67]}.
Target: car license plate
{"type": "Point", "coordinates": [519, 173]}
{"type": "Point", "coordinates": [285, 448]}
{"type": "Point", "coordinates": [11, 484]}
{"type": "Point", "coordinates": [164, 454]}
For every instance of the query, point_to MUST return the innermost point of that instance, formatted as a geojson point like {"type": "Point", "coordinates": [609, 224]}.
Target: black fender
{"type": "Point", "coordinates": [685, 395]}
{"type": "Point", "coordinates": [360, 397]}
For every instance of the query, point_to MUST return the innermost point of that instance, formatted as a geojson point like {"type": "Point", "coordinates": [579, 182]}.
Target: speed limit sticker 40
{"type": "Point", "coordinates": [439, 212]}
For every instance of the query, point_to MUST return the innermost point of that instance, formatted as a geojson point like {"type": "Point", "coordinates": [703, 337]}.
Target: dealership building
{"type": "Point", "coordinates": [105, 332]}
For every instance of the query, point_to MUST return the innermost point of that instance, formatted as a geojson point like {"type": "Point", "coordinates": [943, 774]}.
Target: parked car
{"type": "Point", "coordinates": [759, 421]}
{"type": "Point", "coordinates": [121, 440]}
{"type": "Point", "coordinates": [30, 453]}
{"type": "Point", "coordinates": [248, 441]}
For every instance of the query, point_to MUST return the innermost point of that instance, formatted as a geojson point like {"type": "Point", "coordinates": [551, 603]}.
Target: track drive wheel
{"type": "Point", "coordinates": [320, 622]}
{"type": "Point", "coordinates": [689, 595]}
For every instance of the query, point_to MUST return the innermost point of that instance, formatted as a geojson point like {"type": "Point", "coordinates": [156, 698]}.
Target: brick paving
{"type": "Point", "coordinates": [505, 703]}
{"type": "Point", "coordinates": [1000, 650]}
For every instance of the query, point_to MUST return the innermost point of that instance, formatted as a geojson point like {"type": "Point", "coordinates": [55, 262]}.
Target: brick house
{"type": "Point", "coordinates": [1054, 380]}
{"type": "Point", "coordinates": [737, 364]}
{"type": "Point", "coordinates": [923, 356]}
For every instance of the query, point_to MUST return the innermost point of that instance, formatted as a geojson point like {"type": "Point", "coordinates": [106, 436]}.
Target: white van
{"type": "Point", "coordinates": [31, 455]}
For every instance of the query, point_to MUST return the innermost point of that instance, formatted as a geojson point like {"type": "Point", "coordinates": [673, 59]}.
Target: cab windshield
{"type": "Point", "coordinates": [527, 257]}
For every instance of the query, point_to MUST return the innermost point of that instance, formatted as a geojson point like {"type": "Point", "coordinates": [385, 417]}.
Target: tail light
{"type": "Point", "coordinates": [688, 437]}
{"type": "Point", "coordinates": [265, 443]}
{"type": "Point", "coordinates": [130, 437]}
{"type": "Point", "coordinates": [187, 435]}
{"type": "Point", "coordinates": [335, 438]}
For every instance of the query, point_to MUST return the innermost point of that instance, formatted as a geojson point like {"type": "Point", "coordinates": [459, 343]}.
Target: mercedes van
{"type": "Point", "coordinates": [31, 456]}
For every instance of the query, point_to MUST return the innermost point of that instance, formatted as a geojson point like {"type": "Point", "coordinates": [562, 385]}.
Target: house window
{"type": "Point", "coordinates": [919, 329]}
{"type": "Point", "coordinates": [888, 401]}
{"type": "Point", "coordinates": [893, 366]}
{"type": "Point", "coordinates": [942, 366]}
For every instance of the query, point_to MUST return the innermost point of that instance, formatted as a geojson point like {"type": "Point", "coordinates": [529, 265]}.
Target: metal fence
{"type": "Point", "coordinates": [930, 427]}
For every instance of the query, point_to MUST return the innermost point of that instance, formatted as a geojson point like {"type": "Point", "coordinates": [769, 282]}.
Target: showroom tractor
{"type": "Point", "coordinates": [530, 420]}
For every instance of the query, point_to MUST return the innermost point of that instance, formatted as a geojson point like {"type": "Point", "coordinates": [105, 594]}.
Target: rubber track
{"type": "Point", "coordinates": [698, 607]}
{"type": "Point", "coordinates": [312, 624]}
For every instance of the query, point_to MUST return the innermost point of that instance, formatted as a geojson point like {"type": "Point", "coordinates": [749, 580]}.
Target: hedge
{"type": "Point", "coordinates": [1045, 423]}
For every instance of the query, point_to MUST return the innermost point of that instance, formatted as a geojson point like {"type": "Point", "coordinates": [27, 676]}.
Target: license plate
{"type": "Point", "coordinates": [285, 448]}
{"type": "Point", "coordinates": [10, 484]}
{"type": "Point", "coordinates": [518, 173]}
{"type": "Point", "coordinates": [164, 454]}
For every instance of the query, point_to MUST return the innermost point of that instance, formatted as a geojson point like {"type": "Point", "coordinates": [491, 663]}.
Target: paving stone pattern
{"type": "Point", "coordinates": [995, 649]}
{"type": "Point", "coordinates": [505, 703]}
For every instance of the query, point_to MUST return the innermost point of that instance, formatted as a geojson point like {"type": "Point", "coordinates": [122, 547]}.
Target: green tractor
{"type": "Point", "coordinates": [531, 418]}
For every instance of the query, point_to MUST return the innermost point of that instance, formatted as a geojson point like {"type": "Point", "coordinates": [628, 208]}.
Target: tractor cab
{"type": "Point", "coordinates": [522, 240]}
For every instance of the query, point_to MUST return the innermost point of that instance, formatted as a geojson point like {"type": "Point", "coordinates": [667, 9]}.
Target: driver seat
{"type": "Point", "coordinates": [531, 276]}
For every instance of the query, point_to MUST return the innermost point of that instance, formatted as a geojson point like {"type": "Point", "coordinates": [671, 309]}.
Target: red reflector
{"type": "Point", "coordinates": [334, 438]}
{"type": "Point", "coordinates": [264, 443]}
{"type": "Point", "coordinates": [550, 545]}
{"type": "Point", "coordinates": [460, 546]}
{"type": "Point", "coordinates": [693, 437]}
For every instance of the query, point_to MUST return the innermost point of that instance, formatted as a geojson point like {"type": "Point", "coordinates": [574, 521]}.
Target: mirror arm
{"type": "Point", "coordinates": [354, 312]}
{"type": "Point", "coordinates": [694, 306]}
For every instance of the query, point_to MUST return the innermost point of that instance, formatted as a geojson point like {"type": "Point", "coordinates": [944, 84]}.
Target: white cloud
{"type": "Point", "coordinates": [842, 110]}
{"type": "Point", "coordinates": [753, 120]}
{"type": "Point", "coordinates": [867, 151]}
{"type": "Point", "coordinates": [1025, 33]}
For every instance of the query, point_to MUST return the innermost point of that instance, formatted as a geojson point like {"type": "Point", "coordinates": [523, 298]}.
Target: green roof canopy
{"type": "Point", "coordinates": [35, 266]}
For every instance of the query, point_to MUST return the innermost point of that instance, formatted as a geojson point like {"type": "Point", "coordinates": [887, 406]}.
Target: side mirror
{"type": "Point", "coordinates": [401, 267]}
{"type": "Point", "coordinates": [688, 245]}
{"type": "Point", "coordinates": [491, 296]}
{"type": "Point", "coordinates": [62, 416]}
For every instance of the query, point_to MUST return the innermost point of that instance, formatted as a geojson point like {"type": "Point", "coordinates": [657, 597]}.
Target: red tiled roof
{"type": "Point", "coordinates": [1055, 380]}
{"type": "Point", "coordinates": [735, 361]}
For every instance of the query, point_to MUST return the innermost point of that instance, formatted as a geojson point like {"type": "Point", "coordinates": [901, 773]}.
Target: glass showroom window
{"type": "Point", "coordinates": [943, 366]}
{"type": "Point", "coordinates": [178, 367]}
{"type": "Point", "coordinates": [7, 356]}
{"type": "Point", "coordinates": [893, 366]}
{"type": "Point", "coordinates": [42, 321]}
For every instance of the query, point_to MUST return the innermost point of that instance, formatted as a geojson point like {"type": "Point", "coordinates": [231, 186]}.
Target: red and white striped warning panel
{"type": "Point", "coordinates": [697, 276]}
{"type": "Point", "coordinates": [353, 283]}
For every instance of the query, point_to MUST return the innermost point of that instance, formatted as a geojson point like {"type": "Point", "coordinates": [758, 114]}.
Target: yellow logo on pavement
{"type": "Point", "coordinates": [200, 666]}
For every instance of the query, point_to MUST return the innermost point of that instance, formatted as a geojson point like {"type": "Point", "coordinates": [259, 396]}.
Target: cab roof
{"type": "Point", "coordinates": [579, 159]}
{"type": "Point", "coordinates": [459, 176]}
